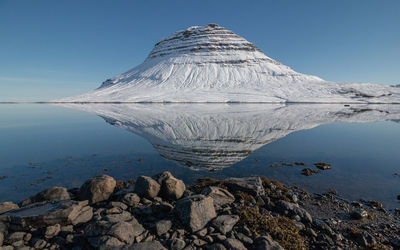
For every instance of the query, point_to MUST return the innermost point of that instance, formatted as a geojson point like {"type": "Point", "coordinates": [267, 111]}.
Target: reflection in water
{"type": "Point", "coordinates": [215, 136]}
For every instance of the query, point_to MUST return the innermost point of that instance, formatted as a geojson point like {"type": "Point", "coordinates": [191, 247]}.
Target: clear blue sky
{"type": "Point", "coordinates": [50, 49]}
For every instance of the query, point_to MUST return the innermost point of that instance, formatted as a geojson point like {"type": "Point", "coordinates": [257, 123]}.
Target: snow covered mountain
{"type": "Point", "coordinates": [216, 136]}
{"type": "Point", "coordinates": [213, 64]}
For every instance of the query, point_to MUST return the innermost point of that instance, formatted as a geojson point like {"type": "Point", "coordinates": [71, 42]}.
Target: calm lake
{"type": "Point", "coordinates": [52, 145]}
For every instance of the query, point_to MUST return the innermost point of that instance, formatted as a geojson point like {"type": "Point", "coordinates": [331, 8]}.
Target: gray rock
{"type": "Point", "coordinates": [359, 214]}
{"type": "Point", "coordinates": [113, 218]}
{"type": "Point", "coordinates": [153, 245]}
{"type": "Point", "coordinates": [50, 194]}
{"type": "Point", "coordinates": [199, 242]}
{"type": "Point", "coordinates": [39, 244]}
{"type": "Point", "coordinates": [292, 209]}
{"type": "Point", "coordinates": [234, 244]}
{"type": "Point", "coordinates": [115, 204]}
{"type": "Point", "coordinates": [220, 196]}
{"type": "Point", "coordinates": [225, 223]}
{"type": "Point", "coordinates": [321, 225]}
{"type": "Point", "coordinates": [97, 189]}
{"type": "Point", "coordinates": [177, 244]}
{"type": "Point", "coordinates": [195, 211]}
{"type": "Point", "coordinates": [126, 232]}
{"type": "Point", "coordinates": [171, 187]}
{"type": "Point", "coordinates": [163, 226]}
{"type": "Point", "coordinates": [216, 246]}
{"type": "Point", "coordinates": [251, 185]}
{"type": "Point", "coordinates": [42, 214]}
{"type": "Point", "coordinates": [52, 231]}
{"type": "Point", "coordinates": [266, 243]}
{"type": "Point", "coordinates": [147, 187]}
{"type": "Point", "coordinates": [7, 206]}
{"type": "Point", "coordinates": [131, 199]}
{"type": "Point", "coordinates": [15, 237]}
{"type": "Point", "coordinates": [244, 238]}
{"type": "Point", "coordinates": [105, 242]}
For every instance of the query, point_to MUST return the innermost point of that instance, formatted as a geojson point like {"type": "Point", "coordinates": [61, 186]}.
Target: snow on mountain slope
{"type": "Point", "coordinates": [215, 136]}
{"type": "Point", "coordinates": [212, 64]}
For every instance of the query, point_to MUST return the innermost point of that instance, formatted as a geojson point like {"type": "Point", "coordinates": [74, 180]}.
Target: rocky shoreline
{"type": "Point", "coordinates": [161, 212]}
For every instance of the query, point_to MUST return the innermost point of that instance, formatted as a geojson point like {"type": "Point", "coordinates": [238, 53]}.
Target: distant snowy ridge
{"type": "Point", "coordinates": [212, 64]}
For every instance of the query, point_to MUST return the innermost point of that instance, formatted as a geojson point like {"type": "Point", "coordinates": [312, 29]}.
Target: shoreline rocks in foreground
{"type": "Point", "coordinates": [160, 212]}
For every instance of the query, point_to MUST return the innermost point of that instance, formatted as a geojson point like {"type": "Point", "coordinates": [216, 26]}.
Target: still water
{"type": "Point", "coordinates": [47, 145]}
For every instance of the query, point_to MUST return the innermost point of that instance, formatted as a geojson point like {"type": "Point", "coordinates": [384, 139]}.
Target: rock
{"type": "Point", "coordinates": [42, 214]}
{"type": "Point", "coordinates": [113, 218]}
{"type": "Point", "coordinates": [266, 243]}
{"type": "Point", "coordinates": [195, 211]}
{"type": "Point", "coordinates": [220, 196]}
{"type": "Point", "coordinates": [321, 225]}
{"type": "Point", "coordinates": [251, 185]}
{"type": "Point", "coordinates": [131, 199]}
{"type": "Point", "coordinates": [147, 187]}
{"type": "Point", "coordinates": [234, 244]}
{"type": "Point", "coordinates": [309, 171]}
{"type": "Point", "coordinates": [153, 245]}
{"type": "Point", "coordinates": [359, 214]}
{"type": "Point", "coordinates": [243, 238]}
{"type": "Point", "coordinates": [292, 209]}
{"type": "Point", "coordinates": [163, 226]}
{"type": "Point", "coordinates": [52, 231]}
{"type": "Point", "coordinates": [115, 204]}
{"type": "Point", "coordinates": [323, 165]}
{"type": "Point", "coordinates": [199, 242]}
{"type": "Point", "coordinates": [171, 187]}
{"type": "Point", "coordinates": [97, 189]}
{"type": "Point", "coordinates": [15, 237]}
{"type": "Point", "coordinates": [216, 246]}
{"type": "Point", "coordinates": [225, 223]}
{"type": "Point", "coordinates": [39, 244]}
{"type": "Point", "coordinates": [1, 239]}
{"type": "Point", "coordinates": [50, 194]}
{"type": "Point", "coordinates": [126, 232]}
{"type": "Point", "coordinates": [177, 244]}
{"type": "Point", "coordinates": [106, 242]}
{"type": "Point", "coordinates": [7, 206]}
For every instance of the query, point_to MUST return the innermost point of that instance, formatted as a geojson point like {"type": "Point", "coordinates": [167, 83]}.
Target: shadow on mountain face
{"type": "Point", "coordinates": [216, 136]}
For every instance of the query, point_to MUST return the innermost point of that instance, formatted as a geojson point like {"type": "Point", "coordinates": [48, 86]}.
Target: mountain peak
{"type": "Point", "coordinates": [212, 64]}
{"type": "Point", "coordinates": [209, 39]}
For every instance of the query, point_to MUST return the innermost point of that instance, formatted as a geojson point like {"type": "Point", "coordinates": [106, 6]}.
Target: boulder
{"type": "Point", "coordinates": [125, 231]}
{"type": "Point", "coordinates": [177, 244]}
{"type": "Point", "coordinates": [163, 226]}
{"type": "Point", "coordinates": [225, 223]}
{"type": "Point", "coordinates": [131, 199]}
{"type": "Point", "coordinates": [97, 189]}
{"type": "Point", "coordinates": [42, 214]}
{"type": "Point", "coordinates": [7, 206]}
{"type": "Point", "coordinates": [220, 196]}
{"type": "Point", "coordinates": [147, 187]}
{"type": "Point", "coordinates": [234, 244]}
{"type": "Point", "coordinates": [292, 209]}
{"type": "Point", "coordinates": [105, 242]}
{"type": "Point", "coordinates": [52, 231]}
{"type": "Point", "coordinates": [195, 211]}
{"type": "Point", "coordinates": [266, 243]}
{"type": "Point", "coordinates": [153, 245]}
{"type": "Point", "coordinates": [50, 194]}
{"type": "Point", "coordinates": [216, 246]}
{"type": "Point", "coordinates": [251, 185]}
{"type": "Point", "coordinates": [171, 187]}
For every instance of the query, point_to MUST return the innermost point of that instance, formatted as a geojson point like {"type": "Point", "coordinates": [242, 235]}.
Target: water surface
{"type": "Point", "coordinates": [47, 145]}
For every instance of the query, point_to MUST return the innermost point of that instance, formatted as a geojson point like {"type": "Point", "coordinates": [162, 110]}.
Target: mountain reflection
{"type": "Point", "coordinates": [215, 136]}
